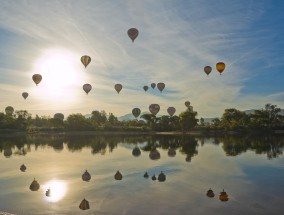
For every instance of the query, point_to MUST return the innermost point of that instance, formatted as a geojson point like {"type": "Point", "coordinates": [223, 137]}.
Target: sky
{"type": "Point", "coordinates": [177, 39]}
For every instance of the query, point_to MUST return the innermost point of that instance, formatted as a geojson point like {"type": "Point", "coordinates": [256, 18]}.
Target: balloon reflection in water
{"type": "Point", "coordinates": [84, 205]}
{"type": "Point", "coordinates": [210, 193]}
{"type": "Point", "coordinates": [86, 176]}
{"type": "Point", "coordinates": [136, 152]}
{"type": "Point", "coordinates": [146, 175]}
{"type": "Point", "coordinates": [223, 196]}
{"type": "Point", "coordinates": [23, 168]}
{"type": "Point", "coordinates": [55, 190]}
{"type": "Point", "coordinates": [34, 185]}
{"type": "Point", "coordinates": [162, 177]}
{"type": "Point", "coordinates": [118, 176]}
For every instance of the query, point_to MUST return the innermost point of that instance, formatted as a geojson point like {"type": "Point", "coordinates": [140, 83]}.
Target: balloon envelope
{"type": "Point", "coordinates": [37, 78]}
{"type": "Point", "coordinates": [220, 66]}
{"type": "Point", "coordinates": [145, 88]}
{"type": "Point", "coordinates": [187, 103]}
{"type": "Point", "coordinates": [9, 110]}
{"type": "Point", "coordinates": [136, 112]}
{"type": "Point", "coordinates": [171, 111]}
{"type": "Point", "coordinates": [85, 60]}
{"type": "Point", "coordinates": [133, 33]}
{"type": "Point", "coordinates": [87, 88]}
{"type": "Point", "coordinates": [25, 95]}
{"type": "Point", "coordinates": [154, 108]}
{"type": "Point", "coordinates": [153, 85]}
{"type": "Point", "coordinates": [207, 69]}
{"type": "Point", "coordinates": [59, 116]}
{"type": "Point", "coordinates": [118, 87]}
{"type": "Point", "coordinates": [161, 86]}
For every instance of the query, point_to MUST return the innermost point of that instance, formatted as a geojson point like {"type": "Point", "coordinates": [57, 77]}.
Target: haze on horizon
{"type": "Point", "coordinates": [177, 39]}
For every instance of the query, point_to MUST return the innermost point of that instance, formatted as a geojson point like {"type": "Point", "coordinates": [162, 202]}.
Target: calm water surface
{"type": "Point", "coordinates": [250, 170]}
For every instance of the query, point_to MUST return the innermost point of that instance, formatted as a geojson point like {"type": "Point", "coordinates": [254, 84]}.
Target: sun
{"type": "Point", "coordinates": [62, 75]}
{"type": "Point", "coordinates": [57, 190]}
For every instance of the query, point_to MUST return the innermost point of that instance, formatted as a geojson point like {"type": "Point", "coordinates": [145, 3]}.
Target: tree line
{"type": "Point", "coordinates": [268, 118]}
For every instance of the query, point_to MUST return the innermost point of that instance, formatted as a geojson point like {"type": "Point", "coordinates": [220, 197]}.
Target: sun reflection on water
{"type": "Point", "coordinates": [57, 188]}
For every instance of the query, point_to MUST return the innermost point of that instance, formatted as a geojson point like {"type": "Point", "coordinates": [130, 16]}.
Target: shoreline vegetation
{"type": "Point", "coordinates": [268, 120]}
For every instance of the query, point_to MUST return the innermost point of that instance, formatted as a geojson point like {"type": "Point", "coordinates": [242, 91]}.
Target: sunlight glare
{"type": "Point", "coordinates": [58, 190]}
{"type": "Point", "coordinates": [62, 75]}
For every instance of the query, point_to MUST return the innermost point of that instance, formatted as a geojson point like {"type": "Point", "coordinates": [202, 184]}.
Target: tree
{"type": "Point", "coordinates": [79, 122]}
{"type": "Point", "coordinates": [99, 117]}
{"type": "Point", "coordinates": [188, 119]}
{"type": "Point", "coordinates": [233, 118]}
{"type": "Point", "coordinates": [112, 119]}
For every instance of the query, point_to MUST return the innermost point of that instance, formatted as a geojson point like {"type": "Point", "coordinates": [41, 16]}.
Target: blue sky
{"type": "Point", "coordinates": [177, 39]}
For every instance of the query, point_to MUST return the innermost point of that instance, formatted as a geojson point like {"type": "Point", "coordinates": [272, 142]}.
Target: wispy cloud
{"type": "Point", "coordinates": [176, 40]}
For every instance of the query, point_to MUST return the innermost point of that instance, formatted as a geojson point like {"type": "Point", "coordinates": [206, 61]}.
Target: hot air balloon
{"type": "Point", "coordinates": [9, 110]}
{"type": "Point", "coordinates": [118, 176]}
{"type": "Point", "coordinates": [161, 177]}
{"type": "Point", "coordinates": [171, 111]}
{"type": "Point", "coordinates": [210, 193]}
{"type": "Point", "coordinates": [23, 168]}
{"type": "Point", "coordinates": [153, 85]}
{"type": "Point", "coordinates": [161, 86]}
{"type": "Point", "coordinates": [207, 69]}
{"type": "Point", "coordinates": [154, 178]}
{"type": "Point", "coordinates": [87, 88]}
{"type": "Point", "coordinates": [37, 78]}
{"type": "Point", "coordinates": [136, 152]}
{"type": "Point", "coordinates": [85, 60]}
{"type": "Point", "coordinates": [145, 88]}
{"type": "Point", "coordinates": [34, 185]}
{"type": "Point", "coordinates": [187, 104]}
{"type": "Point", "coordinates": [133, 33]}
{"type": "Point", "coordinates": [25, 95]}
{"type": "Point", "coordinates": [223, 196]}
{"type": "Point", "coordinates": [84, 205]}
{"type": "Point", "coordinates": [86, 176]}
{"type": "Point", "coordinates": [59, 116]}
{"type": "Point", "coordinates": [154, 108]}
{"type": "Point", "coordinates": [136, 112]}
{"type": "Point", "coordinates": [220, 66]}
{"type": "Point", "coordinates": [118, 87]}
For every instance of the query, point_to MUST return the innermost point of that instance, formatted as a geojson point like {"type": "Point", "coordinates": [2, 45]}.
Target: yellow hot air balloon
{"type": "Point", "coordinates": [133, 33]}
{"type": "Point", "coordinates": [25, 95]}
{"type": "Point", "coordinates": [207, 69]}
{"type": "Point", "coordinates": [9, 110]}
{"type": "Point", "coordinates": [87, 88]}
{"type": "Point", "coordinates": [85, 60]}
{"type": "Point", "coordinates": [37, 78]}
{"type": "Point", "coordinates": [223, 196]}
{"type": "Point", "coordinates": [220, 66]}
{"type": "Point", "coordinates": [161, 86]}
{"type": "Point", "coordinates": [118, 87]}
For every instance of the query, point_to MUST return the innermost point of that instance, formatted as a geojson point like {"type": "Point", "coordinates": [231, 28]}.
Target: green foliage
{"type": "Point", "coordinates": [188, 119]}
